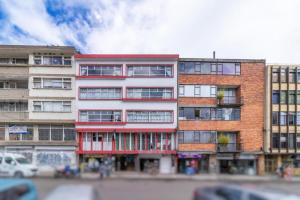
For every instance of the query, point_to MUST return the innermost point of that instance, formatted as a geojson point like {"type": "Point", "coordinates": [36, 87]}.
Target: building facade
{"type": "Point", "coordinates": [282, 138]}
{"type": "Point", "coordinates": [127, 110]}
{"type": "Point", "coordinates": [221, 115]}
{"type": "Point", "coordinates": [37, 98]}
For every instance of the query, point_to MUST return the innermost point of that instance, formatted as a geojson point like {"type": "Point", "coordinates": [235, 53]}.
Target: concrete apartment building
{"type": "Point", "coordinates": [37, 98]}
{"type": "Point", "coordinates": [221, 115]}
{"type": "Point", "coordinates": [127, 110]}
{"type": "Point", "coordinates": [282, 118]}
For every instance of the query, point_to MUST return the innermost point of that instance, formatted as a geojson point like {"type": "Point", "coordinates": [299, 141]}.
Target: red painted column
{"type": "Point", "coordinates": [102, 142]}
{"type": "Point", "coordinates": [80, 137]}
{"type": "Point", "coordinates": [124, 138]}
{"type": "Point", "coordinates": [155, 141]}
{"type": "Point", "coordinates": [136, 141]}
{"type": "Point", "coordinates": [167, 141]}
{"type": "Point", "coordinates": [91, 141]}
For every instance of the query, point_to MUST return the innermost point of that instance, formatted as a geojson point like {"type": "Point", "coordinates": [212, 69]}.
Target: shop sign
{"type": "Point", "coordinates": [189, 155]}
{"type": "Point", "coordinates": [17, 129]}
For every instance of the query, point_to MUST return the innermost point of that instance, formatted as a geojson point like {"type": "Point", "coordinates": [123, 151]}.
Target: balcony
{"type": "Point", "coordinates": [14, 116]}
{"type": "Point", "coordinates": [14, 93]}
{"type": "Point", "coordinates": [229, 148]}
{"type": "Point", "coordinates": [230, 101]}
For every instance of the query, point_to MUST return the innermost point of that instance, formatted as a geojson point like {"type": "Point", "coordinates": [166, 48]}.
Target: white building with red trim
{"type": "Point", "coordinates": [127, 109]}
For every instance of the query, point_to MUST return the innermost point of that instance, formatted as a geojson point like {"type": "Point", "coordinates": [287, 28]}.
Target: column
{"type": "Point", "coordinates": [213, 165]}
{"type": "Point", "coordinates": [6, 136]}
{"type": "Point", "coordinates": [261, 165]}
{"type": "Point", "coordinates": [35, 133]}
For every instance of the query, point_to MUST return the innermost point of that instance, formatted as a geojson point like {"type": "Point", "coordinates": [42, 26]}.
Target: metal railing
{"type": "Point", "coordinates": [229, 147]}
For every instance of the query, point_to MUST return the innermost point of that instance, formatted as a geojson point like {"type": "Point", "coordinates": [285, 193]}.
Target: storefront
{"type": "Point", "coordinates": [199, 162]}
{"type": "Point", "coordinates": [237, 164]}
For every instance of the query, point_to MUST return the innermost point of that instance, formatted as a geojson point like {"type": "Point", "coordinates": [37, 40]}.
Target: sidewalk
{"type": "Point", "coordinates": [174, 177]}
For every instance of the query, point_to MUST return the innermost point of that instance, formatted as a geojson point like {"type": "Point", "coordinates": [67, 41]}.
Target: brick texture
{"type": "Point", "coordinates": [251, 89]}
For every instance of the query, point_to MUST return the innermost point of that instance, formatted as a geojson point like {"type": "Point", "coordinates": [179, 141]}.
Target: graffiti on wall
{"type": "Point", "coordinates": [54, 158]}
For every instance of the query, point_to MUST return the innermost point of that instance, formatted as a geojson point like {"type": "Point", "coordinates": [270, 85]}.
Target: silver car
{"type": "Point", "coordinates": [74, 192]}
{"type": "Point", "coordinates": [235, 192]}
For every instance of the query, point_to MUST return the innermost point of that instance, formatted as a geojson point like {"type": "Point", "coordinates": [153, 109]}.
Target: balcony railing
{"type": "Point", "coordinates": [230, 101]}
{"type": "Point", "coordinates": [228, 148]}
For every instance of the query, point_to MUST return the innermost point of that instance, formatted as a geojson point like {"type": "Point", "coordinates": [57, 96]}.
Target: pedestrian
{"type": "Point", "coordinates": [102, 170]}
{"type": "Point", "coordinates": [288, 172]}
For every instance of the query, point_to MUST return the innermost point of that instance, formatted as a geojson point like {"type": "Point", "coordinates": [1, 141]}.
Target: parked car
{"type": "Point", "coordinates": [16, 165]}
{"type": "Point", "coordinates": [17, 189]}
{"type": "Point", "coordinates": [234, 192]}
{"type": "Point", "coordinates": [74, 192]}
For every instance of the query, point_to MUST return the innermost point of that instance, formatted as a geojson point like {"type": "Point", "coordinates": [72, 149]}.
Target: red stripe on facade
{"type": "Point", "coordinates": [126, 130]}
{"type": "Point", "coordinates": [133, 56]}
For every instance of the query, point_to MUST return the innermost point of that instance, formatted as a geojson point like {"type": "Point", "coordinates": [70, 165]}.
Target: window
{"type": "Point", "coordinates": [101, 70]}
{"type": "Point", "coordinates": [283, 118]}
{"type": "Point", "coordinates": [275, 97]}
{"type": "Point", "coordinates": [150, 70]}
{"type": "Point", "coordinates": [26, 135]}
{"type": "Point", "coordinates": [52, 60]}
{"type": "Point", "coordinates": [209, 68]}
{"type": "Point", "coordinates": [150, 116]}
{"type": "Point", "coordinates": [283, 75]}
{"type": "Point", "coordinates": [52, 106]}
{"type": "Point", "coordinates": [292, 97]}
{"type": "Point", "coordinates": [275, 76]}
{"type": "Point", "coordinates": [2, 132]}
{"type": "Point", "coordinates": [189, 137]}
{"type": "Point", "coordinates": [283, 97]}
{"type": "Point", "coordinates": [229, 95]}
{"type": "Point", "coordinates": [13, 61]}
{"type": "Point", "coordinates": [13, 106]}
{"type": "Point", "coordinates": [150, 93]}
{"type": "Point", "coordinates": [298, 77]}
{"type": "Point", "coordinates": [275, 118]}
{"type": "Point", "coordinates": [57, 132]}
{"type": "Point", "coordinates": [181, 90]}
{"type": "Point", "coordinates": [52, 83]}
{"type": "Point", "coordinates": [292, 118]}
{"type": "Point", "coordinates": [283, 140]}
{"type": "Point", "coordinates": [187, 113]}
{"type": "Point", "coordinates": [292, 76]}
{"type": "Point", "coordinates": [100, 93]}
{"type": "Point", "coordinates": [275, 140]}
{"type": "Point", "coordinates": [231, 68]}
{"type": "Point", "coordinates": [100, 116]}
{"type": "Point", "coordinates": [197, 91]}
{"type": "Point", "coordinates": [291, 142]}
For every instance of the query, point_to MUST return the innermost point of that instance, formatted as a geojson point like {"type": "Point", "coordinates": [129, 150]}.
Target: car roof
{"type": "Point", "coordinates": [74, 192]}
{"type": "Point", "coordinates": [8, 183]}
{"type": "Point", "coordinates": [262, 192]}
{"type": "Point", "coordinates": [12, 154]}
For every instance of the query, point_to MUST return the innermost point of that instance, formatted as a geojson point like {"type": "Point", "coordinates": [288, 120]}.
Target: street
{"type": "Point", "coordinates": [149, 189]}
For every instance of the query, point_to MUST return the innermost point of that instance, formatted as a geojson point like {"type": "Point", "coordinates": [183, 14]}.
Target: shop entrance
{"type": "Point", "coordinates": [149, 165]}
{"type": "Point", "coordinates": [237, 166]}
{"type": "Point", "coordinates": [126, 163]}
{"type": "Point", "coordinates": [199, 165]}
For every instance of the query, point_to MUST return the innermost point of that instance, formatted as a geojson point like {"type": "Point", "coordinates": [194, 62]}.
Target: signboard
{"type": "Point", "coordinates": [17, 129]}
{"type": "Point", "coordinates": [189, 155]}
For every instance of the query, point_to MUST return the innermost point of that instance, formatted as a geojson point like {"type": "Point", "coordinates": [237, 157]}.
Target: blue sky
{"type": "Point", "coordinates": [193, 28]}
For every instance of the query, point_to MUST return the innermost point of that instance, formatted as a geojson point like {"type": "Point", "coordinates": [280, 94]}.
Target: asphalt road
{"type": "Point", "coordinates": [148, 189]}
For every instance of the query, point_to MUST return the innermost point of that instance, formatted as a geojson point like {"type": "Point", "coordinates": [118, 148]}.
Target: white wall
{"type": "Point", "coordinates": [125, 105]}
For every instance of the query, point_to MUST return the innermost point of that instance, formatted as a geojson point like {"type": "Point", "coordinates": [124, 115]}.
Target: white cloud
{"type": "Point", "coordinates": [194, 28]}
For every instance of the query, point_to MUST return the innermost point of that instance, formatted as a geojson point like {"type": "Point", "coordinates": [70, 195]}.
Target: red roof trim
{"type": "Point", "coordinates": [120, 56]}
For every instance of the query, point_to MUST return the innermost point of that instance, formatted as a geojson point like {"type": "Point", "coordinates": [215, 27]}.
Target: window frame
{"type": "Point", "coordinates": [150, 66]}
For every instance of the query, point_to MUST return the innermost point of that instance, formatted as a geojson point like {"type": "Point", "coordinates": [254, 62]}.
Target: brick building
{"type": "Point", "coordinates": [221, 115]}
{"type": "Point", "coordinates": [282, 138]}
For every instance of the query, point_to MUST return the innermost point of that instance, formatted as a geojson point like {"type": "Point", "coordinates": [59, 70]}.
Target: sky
{"type": "Point", "coordinates": [254, 29]}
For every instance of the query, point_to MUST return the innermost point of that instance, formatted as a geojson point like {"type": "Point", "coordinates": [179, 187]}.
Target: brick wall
{"type": "Point", "coordinates": [251, 82]}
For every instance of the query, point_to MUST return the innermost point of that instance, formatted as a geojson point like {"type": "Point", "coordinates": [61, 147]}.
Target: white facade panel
{"type": "Point", "coordinates": [126, 82]}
